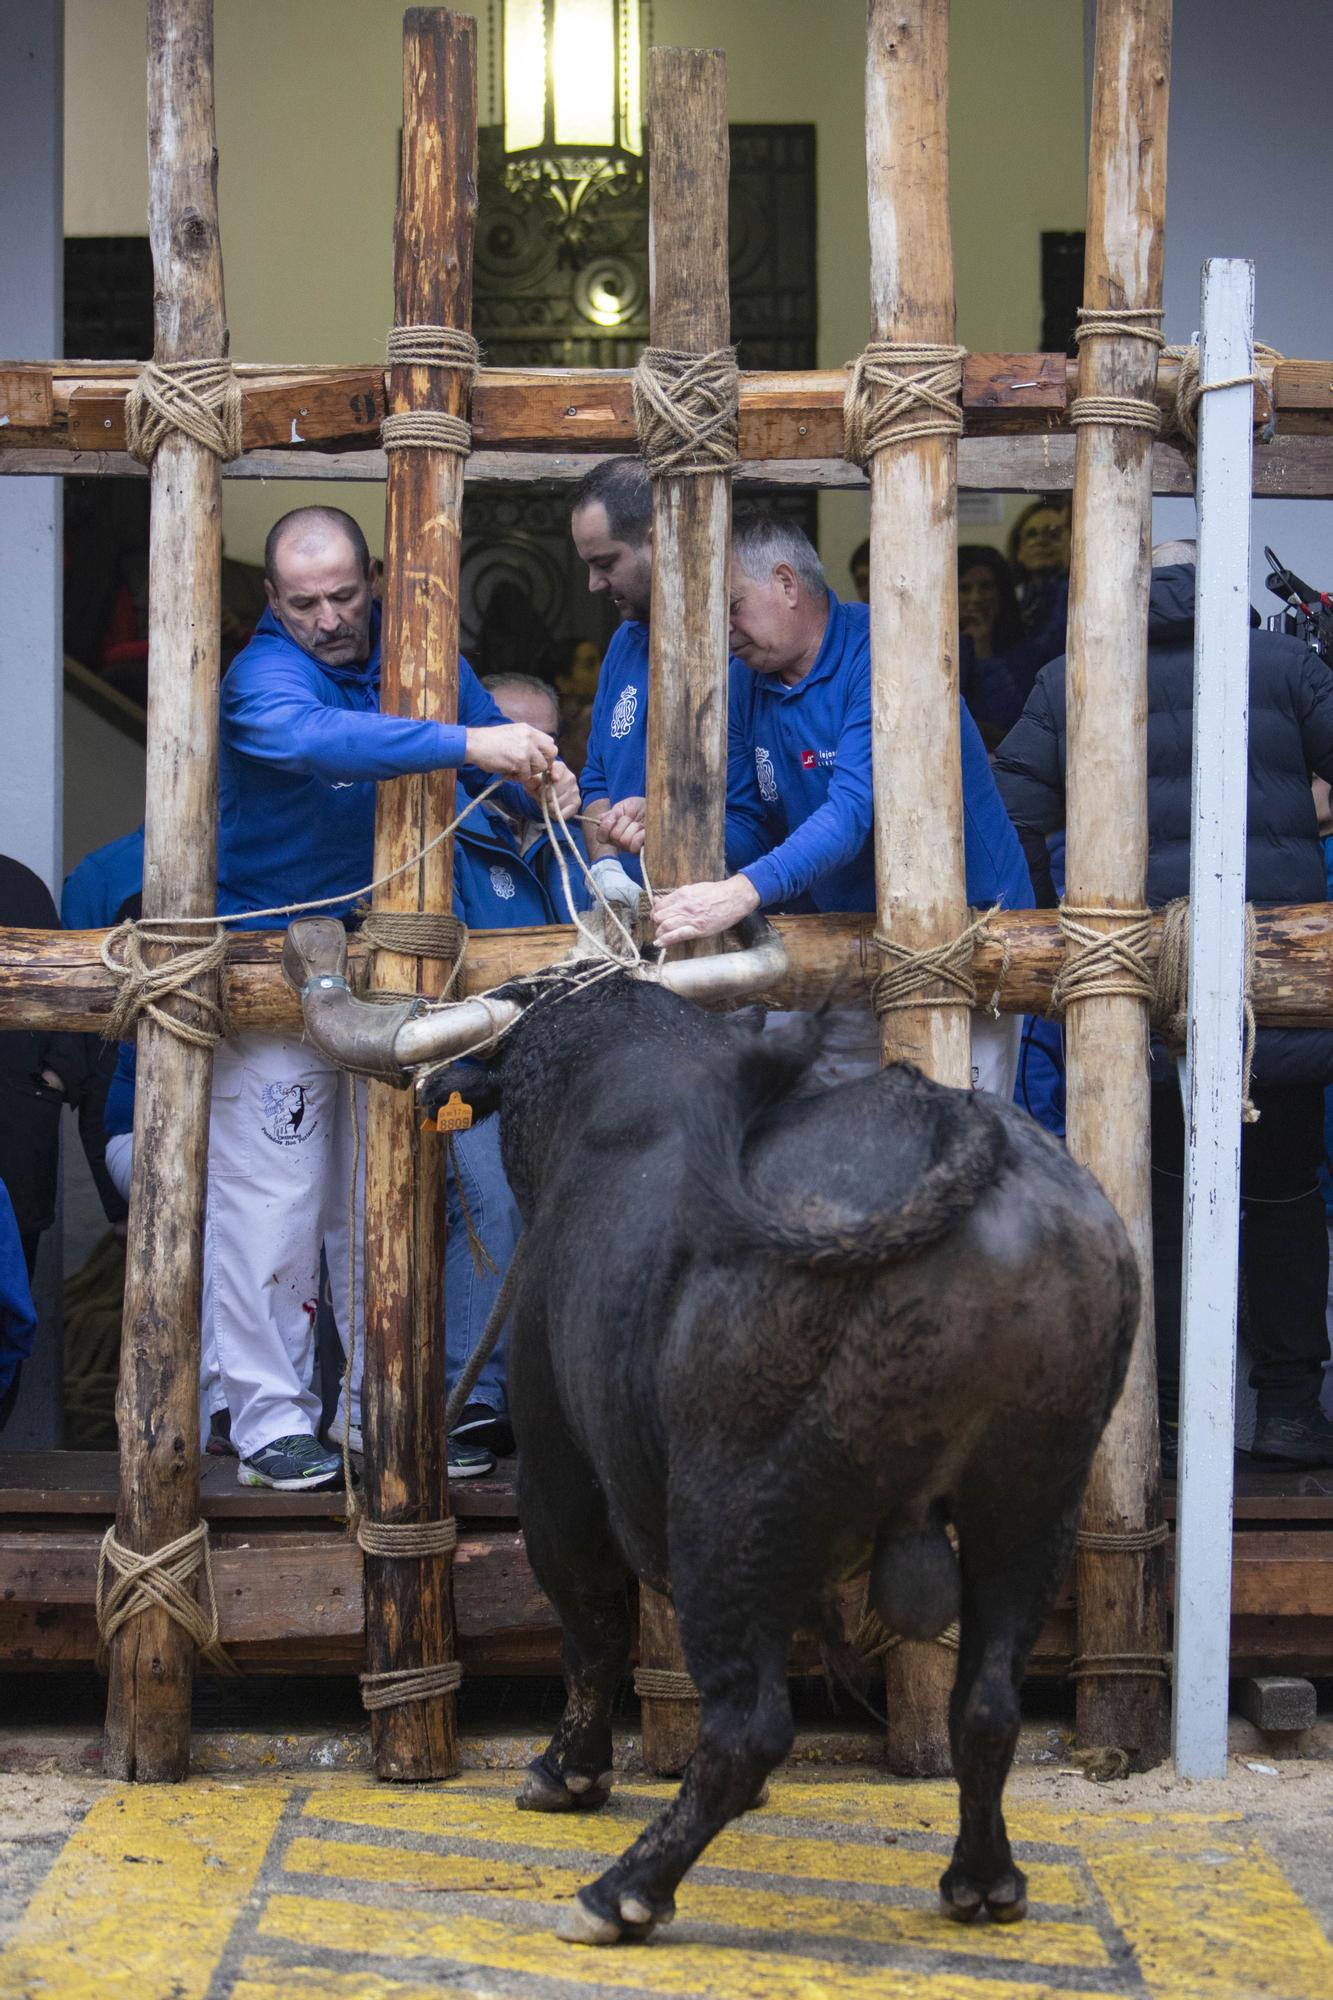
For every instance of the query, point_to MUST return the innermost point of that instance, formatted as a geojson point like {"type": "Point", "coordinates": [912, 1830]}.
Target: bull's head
{"type": "Point", "coordinates": [389, 1041]}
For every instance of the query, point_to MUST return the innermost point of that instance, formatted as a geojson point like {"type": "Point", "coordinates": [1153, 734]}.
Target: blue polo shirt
{"type": "Point", "coordinates": [616, 766]}
{"type": "Point", "coordinates": [808, 750]}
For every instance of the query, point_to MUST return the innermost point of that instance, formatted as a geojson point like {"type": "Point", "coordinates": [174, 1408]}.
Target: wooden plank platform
{"type": "Point", "coordinates": [288, 1577]}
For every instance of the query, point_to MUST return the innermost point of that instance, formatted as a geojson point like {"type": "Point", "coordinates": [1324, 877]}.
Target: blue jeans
{"type": "Point", "coordinates": [468, 1294]}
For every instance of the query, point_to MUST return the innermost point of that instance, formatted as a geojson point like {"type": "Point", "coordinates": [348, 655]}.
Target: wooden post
{"type": "Point", "coordinates": [687, 701]}
{"type": "Point", "coordinates": [1216, 1028]}
{"type": "Point", "coordinates": [157, 1402]}
{"type": "Point", "coordinates": [1122, 1612]}
{"type": "Point", "coordinates": [920, 881]}
{"type": "Point", "coordinates": [409, 1603]}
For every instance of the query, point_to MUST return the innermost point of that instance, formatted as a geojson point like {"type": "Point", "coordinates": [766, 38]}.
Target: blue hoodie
{"type": "Point", "coordinates": [101, 882]}
{"type": "Point", "coordinates": [616, 766]}
{"type": "Point", "coordinates": [809, 748]}
{"type": "Point", "coordinates": [18, 1318]}
{"type": "Point", "coordinates": [302, 748]}
{"type": "Point", "coordinates": [499, 886]}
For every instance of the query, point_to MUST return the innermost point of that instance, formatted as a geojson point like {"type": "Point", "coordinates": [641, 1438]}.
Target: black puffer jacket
{"type": "Point", "coordinates": [1291, 736]}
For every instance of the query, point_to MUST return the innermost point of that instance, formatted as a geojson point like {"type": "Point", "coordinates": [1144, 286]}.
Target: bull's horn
{"type": "Point", "coordinates": [374, 1040]}
{"type": "Point", "coordinates": [731, 975]}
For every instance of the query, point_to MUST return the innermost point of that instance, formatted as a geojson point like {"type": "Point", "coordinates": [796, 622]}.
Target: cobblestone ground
{"type": "Point", "coordinates": [309, 1887]}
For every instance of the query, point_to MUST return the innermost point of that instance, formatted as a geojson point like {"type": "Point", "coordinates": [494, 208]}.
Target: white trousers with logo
{"type": "Point", "coordinates": [279, 1175]}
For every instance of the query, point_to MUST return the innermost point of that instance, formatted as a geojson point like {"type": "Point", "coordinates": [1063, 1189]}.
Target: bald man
{"type": "Point", "coordinates": [303, 745]}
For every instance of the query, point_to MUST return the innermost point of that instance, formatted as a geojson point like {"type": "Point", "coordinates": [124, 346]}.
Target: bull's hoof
{"type": "Point", "coordinates": [580, 1925]}
{"type": "Point", "coordinates": [963, 1899]}
{"type": "Point", "coordinates": [1007, 1899]}
{"type": "Point", "coordinates": [544, 1791]}
{"type": "Point", "coordinates": [638, 1918]}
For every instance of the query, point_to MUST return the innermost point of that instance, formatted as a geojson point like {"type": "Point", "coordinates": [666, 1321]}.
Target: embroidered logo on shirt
{"type": "Point", "coordinates": [625, 710]}
{"type": "Point", "coordinates": [763, 770]}
{"type": "Point", "coordinates": [818, 760]}
{"type": "Point", "coordinates": [342, 785]}
{"type": "Point", "coordinates": [284, 1108]}
{"type": "Point", "coordinates": [502, 882]}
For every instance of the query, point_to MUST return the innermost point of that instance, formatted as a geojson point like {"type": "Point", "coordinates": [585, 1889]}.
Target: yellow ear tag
{"type": "Point", "coordinates": [454, 1116]}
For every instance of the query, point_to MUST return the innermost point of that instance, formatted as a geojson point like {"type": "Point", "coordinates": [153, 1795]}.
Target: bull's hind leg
{"type": "Point", "coordinates": [1012, 1565]}
{"type": "Point", "coordinates": [583, 1573]}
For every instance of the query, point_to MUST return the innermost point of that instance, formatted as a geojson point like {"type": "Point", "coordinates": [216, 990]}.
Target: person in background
{"type": "Point", "coordinates": [91, 900]}
{"type": "Point", "coordinates": [18, 1316]}
{"type": "Point", "coordinates": [1039, 551]}
{"type": "Point", "coordinates": [859, 570]}
{"type": "Point", "coordinates": [39, 1073]}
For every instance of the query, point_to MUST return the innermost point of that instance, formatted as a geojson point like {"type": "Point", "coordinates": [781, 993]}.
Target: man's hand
{"type": "Point", "coordinates": [624, 825]}
{"type": "Point", "coordinates": [703, 909]}
{"type": "Point", "coordinates": [566, 788]}
{"type": "Point", "coordinates": [511, 750]}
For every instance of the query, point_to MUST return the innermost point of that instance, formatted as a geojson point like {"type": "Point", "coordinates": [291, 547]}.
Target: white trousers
{"type": "Point", "coordinates": [279, 1176]}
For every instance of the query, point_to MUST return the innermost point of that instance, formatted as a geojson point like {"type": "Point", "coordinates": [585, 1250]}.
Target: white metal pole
{"type": "Point", "coordinates": [1216, 1026]}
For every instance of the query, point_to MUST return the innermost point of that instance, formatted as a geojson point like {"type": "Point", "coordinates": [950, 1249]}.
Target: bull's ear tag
{"type": "Point", "coordinates": [452, 1116]}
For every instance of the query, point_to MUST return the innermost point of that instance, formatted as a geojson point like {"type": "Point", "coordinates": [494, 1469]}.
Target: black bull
{"type": "Point", "coordinates": [760, 1338]}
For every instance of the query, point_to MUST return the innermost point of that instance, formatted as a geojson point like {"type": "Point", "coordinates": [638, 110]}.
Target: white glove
{"type": "Point", "coordinates": [619, 888]}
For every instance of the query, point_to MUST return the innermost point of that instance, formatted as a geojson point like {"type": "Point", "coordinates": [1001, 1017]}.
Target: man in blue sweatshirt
{"type": "Point", "coordinates": [303, 745]}
{"type": "Point", "coordinates": [802, 732]}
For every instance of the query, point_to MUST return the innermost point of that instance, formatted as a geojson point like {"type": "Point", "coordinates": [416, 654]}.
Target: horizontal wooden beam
{"type": "Point", "coordinates": [79, 406]}
{"type": "Point", "coordinates": [56, 979]}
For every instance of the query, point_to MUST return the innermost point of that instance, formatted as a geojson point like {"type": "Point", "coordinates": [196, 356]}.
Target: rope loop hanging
{"type": "Point", "coordinates": [900, 390]}
{"type": "Point", "coordinates": [899, 985]}
{"type": "Point", "coordinates": [195, 399]}
{"type": "Point", "coordinates": [430, 347]}
{"type": "Point", "coordinates": [687, 411]}
{"type": "Point", "coordinates": [162, 1580]}
{"type": "Point", "coordinates": [164, 992]}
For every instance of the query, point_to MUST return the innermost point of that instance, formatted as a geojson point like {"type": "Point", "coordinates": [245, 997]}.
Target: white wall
{"type": "Point", "coordinates": [1250, 174]}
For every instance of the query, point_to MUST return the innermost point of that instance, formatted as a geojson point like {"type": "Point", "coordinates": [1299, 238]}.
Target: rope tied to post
{"type": "Point", "coordinates": [415, 934]}
{"type": "Point", "coordinates": [159, 1579]}
{"type": "Point", "coordinates": [1135, 1542]}
{"type": "Point", "coordinates": [404, 1684]}
{"type": "Point", "coordinates": [899, 985]}
{"type": "Point", "coordinates": [664, 1684]}
{"type": "Point", "coordinates": [1101, 965]}
{"type": "Point", "coordinates": [430, 347]}
{"type": "Point", "coordinates": [407, 1538]}
{"type": "Point", "coordinates": [195, 399]}
{"type": "Point", "coordinates": [900, 390]}
{"type": "Point", "coordinates": [163, 991]}
{"type": "Point", "coordinates": [687, 411]}
{"type": "Point", "coordinates": [1118, 323]}
{"type": "Point", "coordinates": [1183, 420]}
{"type": "Point", "coordinates": [1171, 991]}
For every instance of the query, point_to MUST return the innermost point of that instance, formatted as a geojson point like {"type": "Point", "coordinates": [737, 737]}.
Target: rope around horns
{"type": "Point", "coordinates": [195, 399]}
{"type": "Point", "coordinates": [686, 411]}
{"type": "Point", "coordinates": [162, 1579]}
{"type": "Point", "coordinates": [900, 390]}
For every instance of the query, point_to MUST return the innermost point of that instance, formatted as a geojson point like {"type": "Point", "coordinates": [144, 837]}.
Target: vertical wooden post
{"type": "Point", "coordinates": [409, 1605]}
{"type": "Point", "coordinates": [1121, 1594]}
{"type": "Point", "coordinates": [920, 882]}
{"type": "Point", "coordinates": [157, 1401]}
{"type": "Point", "coordinates": [687, 701]}
{"type": "Point", "coordinates": [1216, 1027]}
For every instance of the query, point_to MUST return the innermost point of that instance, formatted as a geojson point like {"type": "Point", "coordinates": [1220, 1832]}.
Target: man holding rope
{"type": "Point", "coordinates": [303, 745]}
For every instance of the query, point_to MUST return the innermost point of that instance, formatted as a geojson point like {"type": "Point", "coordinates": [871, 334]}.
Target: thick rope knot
{"type": "Point", "coordinates": [196, 399]}
{"type": "Point", "coordinates": [163, 1578]}
{"type": "Point", "coordinates": [1171, 992]}
{"type": "Point", "coordinates": [415, 933]}
{"type": "Point", "coordinates": [426, 430]}
{"type": "Point", "coordinates": [164, 992]}
{"type": "Point", "coordinates": [392, 1689]}
{"type": "Point", "coordinates": [1183, 420]}
{"type": "Point", "coordinates": [407, 1538]}
{"type": "Point", "coordinates": [1112, 323]}
{"type": "Point", "coordinates": [686, 411]}
{"type": "Point", "coordinates": [430, 347]}
{"type": "Point", "coordinates": [899, 984]}
{"type": "Point", "coordinates": [900, 390]}
{"type": "Point", "coordinates": [1100, 965]}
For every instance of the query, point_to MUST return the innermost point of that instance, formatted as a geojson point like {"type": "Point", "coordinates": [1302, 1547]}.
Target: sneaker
{"type": "Point", "coordinates": [336, 1432]}
{"type": "Point", "coordinates": [1304, 1440]}
{"type": "Point", "coordinates": [480, 1424]}
{"type": "Point", "coordinates": [468, 1460]}
{"type": "Point", "coordinates": [219, 1444]}
{"type": "Point", "coordinates": [292, 1465]}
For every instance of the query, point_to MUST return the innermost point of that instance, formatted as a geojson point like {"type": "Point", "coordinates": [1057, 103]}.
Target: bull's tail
{"type": "Point", "coordinates": [969, 1146]}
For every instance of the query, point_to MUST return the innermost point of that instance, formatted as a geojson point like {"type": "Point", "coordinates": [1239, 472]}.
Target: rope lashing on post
{"type": "Point", "coordinates": [1133, 1543]}
{"type": "Point", "coordinates": [873, 1639]}
{"type": "Point", "coordinates": [415, 933]}
{"type": "Point", "coordinates": [687, 411]}
{"type": "Point", "coordinates": [900, 390]}
{"type": "Point", "coordinates": [1102, 965]}
{"type": "Point", "coordinates": [407, 1538]}
{"type": "Point", "coordinates": [195, 399]}
{"type": "Point", "coordinates": [163, 991]}
{"type": "Point", "coordinates": [1171, 992]}
{"type": "Point", "coordinates": [1111, 1666]}
{"type": "Point", "coordinates": [1110, 323]}
{"type": "Point", "coordinates": [664, 1684]}
{"type": "Point", "coordinates": [430, 347]}
{"type": "Point", "coordinates": [899, 985]}
{"type": "Point", "coordinates": [1183, 420]}
{"type": "Point", "coordinates": [160, 1579]}
{"type": "Point", "coordinates": [404, 1684]}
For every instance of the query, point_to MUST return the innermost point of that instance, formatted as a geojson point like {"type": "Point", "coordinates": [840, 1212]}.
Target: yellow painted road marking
{"type": "Point", "coordinates": [1192, 1900]}
{"type": "Point", "coordinates": [783, 1911]}
{"type": "Point", "coordinates": [675, 1967]}
{"type": "Point", "coordinates": [261, 1980]}
{"type": "Point", "coordinates": [460, 1816]}
{"type": "Point", "coordinates": [142, 1897]}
